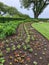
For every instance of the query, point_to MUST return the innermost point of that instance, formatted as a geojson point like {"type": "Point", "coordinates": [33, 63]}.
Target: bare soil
{"type": "Point", "coordinates": [40, 46]}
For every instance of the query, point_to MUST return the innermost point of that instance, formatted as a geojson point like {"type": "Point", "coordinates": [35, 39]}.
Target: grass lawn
{"type": "Point", "coordinates": [43, 28]}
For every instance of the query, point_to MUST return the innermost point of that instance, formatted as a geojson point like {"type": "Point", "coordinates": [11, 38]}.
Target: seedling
{"type": "Point", "coordinates": [28, 46]}
{"type": "Point", "coordinates": [18, 46]}
{"type": "Point", "coordinates": [33, 38]}
{"type": "Point", "coordinates": [2, 60]}
{"type": "Point", "coordinates": [30, 50]}
{"type": "Point", "coordinates": [24, 47]}
{"type": "Point", "coordinates": [7, 41]}
{"type": "Point", "coordinates": [1, 54]}
{"type": "Point", "coordinates": [13, 47]}
{"type": "Point", "coordinates": [7, 50]}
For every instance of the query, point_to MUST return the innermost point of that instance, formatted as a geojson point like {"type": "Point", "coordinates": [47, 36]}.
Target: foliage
{"type": "Point", "coordinates": [8, 28]}
{"type": "Point", "coordinates": [2, 60]}
{"type": "Point", "coordinates": [30, 50]}
{"type": "Point", "coordinates": [1, 54]}
{"type": "Point", "coordinates": [9, 11]}
{"type": "Point", "coordinates": [13, 47]}
{"type": "Point", "coordinates": [7, 50]}
{"type": "Point", "coordinates": [37, 5]}
{"type": "Point", "coordinates": [24, 47]}
{"type": "Point", "coordinates": [18, 46]}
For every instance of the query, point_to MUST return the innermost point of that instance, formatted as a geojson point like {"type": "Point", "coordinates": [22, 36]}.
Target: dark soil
{"type": "Point", "coordinates": [40, 46]}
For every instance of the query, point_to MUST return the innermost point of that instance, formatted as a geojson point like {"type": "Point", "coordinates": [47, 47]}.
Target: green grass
{"type": "Point", "coordinates": [43, 28]}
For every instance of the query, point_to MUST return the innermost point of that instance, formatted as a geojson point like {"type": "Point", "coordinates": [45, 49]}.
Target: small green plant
{"type": "Point", "coordinates": [18, 46]}
{"type": "Point", "coordinates": [28, 46]}
{"type": "Point", "coordinates": [1, 54]}
{"type": "Point", "coordinates": [24, 47]}
{"type": "Point", "coordinates": [13, 47]}
{"type": "Point", "coordinates": [2, 35]}
{"type": "Point", "coordinates": [33, 38]}
{"type": "Point", "coordinates": [7, 41]}
{"type": "Point", "coordinates": [7, 50]}
{"type": "Point", "coordinates": [2, 60]}
{"type": "Point", "coordinates": [30, 50]}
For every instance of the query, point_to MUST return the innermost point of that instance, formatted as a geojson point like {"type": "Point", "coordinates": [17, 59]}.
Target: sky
{"type": "Point", "coordinates": [16, 3]}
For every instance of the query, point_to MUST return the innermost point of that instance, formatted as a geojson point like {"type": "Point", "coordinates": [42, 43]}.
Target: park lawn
{"type": "Point", "coordinates": [43, 28]}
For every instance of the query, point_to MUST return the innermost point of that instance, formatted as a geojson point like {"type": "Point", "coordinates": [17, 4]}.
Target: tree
{"type": "Point", "coordinates": [7, 9]}
{"type": "Point", "coordinates": [37, 5]}
{"type": "Point", "coordinates": [12, 11]}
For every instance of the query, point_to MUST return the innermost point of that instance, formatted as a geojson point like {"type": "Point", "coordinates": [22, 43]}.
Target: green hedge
{"type": "Point", "coordinates": [4, 19]}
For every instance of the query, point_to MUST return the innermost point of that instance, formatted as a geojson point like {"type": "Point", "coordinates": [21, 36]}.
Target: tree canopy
{"type": "Point", "coordinates": [37, 5]}
{"type": "Point", "coordinates": [8, 9]}
{"type": "Point", "coordinates": [11, 11]}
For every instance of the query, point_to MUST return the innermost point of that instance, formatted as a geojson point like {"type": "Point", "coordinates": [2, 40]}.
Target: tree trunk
{"type": "Point", "coordinates": [36, 15]}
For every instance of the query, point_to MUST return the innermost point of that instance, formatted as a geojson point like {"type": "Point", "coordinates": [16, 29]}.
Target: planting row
{"type": "Point", "coordinates": [29, 34]}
